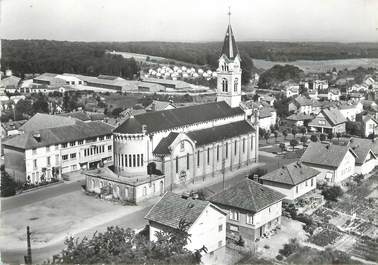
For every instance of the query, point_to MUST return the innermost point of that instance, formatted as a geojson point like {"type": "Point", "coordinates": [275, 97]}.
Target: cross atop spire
{"type": "Point", "coordinates": [229, 15]}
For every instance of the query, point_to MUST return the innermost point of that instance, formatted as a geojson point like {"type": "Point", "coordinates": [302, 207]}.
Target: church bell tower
{"type": "Point", "coordinates": [229, 70]}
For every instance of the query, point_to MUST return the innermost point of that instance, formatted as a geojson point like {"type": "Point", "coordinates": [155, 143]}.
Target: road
{"type": "Point", "coordinates": [39, 195]}
{"type": "Point", "coordinates": [134, 221]}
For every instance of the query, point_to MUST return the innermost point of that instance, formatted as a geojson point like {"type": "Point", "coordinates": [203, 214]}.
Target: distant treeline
{"type": "Point", "coordinates": [39, 56]}
{"type": "Point", "coordinates": [28, 56]}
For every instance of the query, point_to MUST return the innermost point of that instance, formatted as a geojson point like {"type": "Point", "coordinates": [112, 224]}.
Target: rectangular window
{"type": "Point", "coordinates": [64, 157]}
{"type": "Point", "coordinates": [141, 160]}
{"type": "Point", "coordinates": [176, 164]}
{"type": "Point", "coordinates": [234, 228]}
{"type": "Point", "coordinates": [109, 148]}
{"type": "Point", "coordinates": [243, 145]}
{"type": "Point", "coordinates": [236, 144]}
{"type": "Point", "coordinates": [296, 189]}
{"type": "Point", "coordinates": [108, 136]}
{"type": "Point", "coordinates": [217, 152]}
{"type": "Point", "coordinates": [134, 164]}
{"type": "Point", "coordinates": [249, 219]}
{"type": "Point", "coordinates": [125, 160]}
{"type": "Point", "coordinates": [138, 160]}
{"type": "Point", "coordinates": [130, 161]}
{"type": "Point", "coordinates": [234, 215]}
{"type": "Point", "coordinates": [220, 228]}
{"type": "Point", "coordinates": [72, 143]}
{"type": "Point", "coordinates": [226, 150]}
{"type": "Point", "coordinates": [56, 160]}
{"type": "Point", "coordinates": [101, 138]}
{"type": "Point", "coordinates": [64, 145]}
{"type": "Point", "coordinates": [208, 155]}
{"type": "Point", "coordinates": [122, 163]}
{"type": "Point", "coordinates": [35, 163]}
{"type": "Point", "coordinates": [312, 182]}
{"type": "Point", "coordinates": [73, 155]}
{"type": "Point", "coordinates": [48, 161]}
{"type": "Point", "coordinates": [198, 158]}
{"type": "Point", "coordinates": [220, 243]}
{"type": "Point", "coordinates": [251, 142]}
{"type": "Point", "coordinates": [306, 183]}
{"type": "Point", "coordinates": [80, 142]}
{"type": "Point", "coordinates": [187, 161]}
{"type": "Point", "coordinates": [48, 148]}
{"type": "Point", "coordinates": [103, 148]}
{"type": "Point", "coordinates": [182, 146]}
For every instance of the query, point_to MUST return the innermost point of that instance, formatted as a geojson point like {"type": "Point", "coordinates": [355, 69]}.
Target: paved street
{"type": "Point", "coordinates": [39, 195]}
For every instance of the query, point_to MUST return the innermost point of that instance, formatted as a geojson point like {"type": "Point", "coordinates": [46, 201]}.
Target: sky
{"type": "Point", "coordinates": [190, 20]}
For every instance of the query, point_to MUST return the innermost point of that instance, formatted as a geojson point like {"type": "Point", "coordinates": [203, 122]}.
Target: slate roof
{"type": "Point", "coordinates": [266, 112]}
{"type": "Point", "coordinates": [334, 116]}
{"type": "Point", "coordinates": [218, 133]}
{"type": "Point", "coordinates": [303, 101]}
{"type": "Point", "coordinates": [361, 147]}
{"type": "Point", "coordinates": [44, 121]}
{"type": "Point", "coordinates": [229, 49]}
{"type": "Point", "coordinates": [299, 117]}
{"type": "Point", "coordinates": [173, 208]}
{"type": "Point", "coordinates": [131, 125]}
{"type": "Point", "coordinates": [163, 146]}
{"type": "Point", "coordinates": [77, 115]}
{"type": "Point", "coordinates": [247, 195]}
{"type": "Point", "coordinates": [173, 118]}
{"type": "Point", "coordinates": [329, 155]}
{"type": "Point", "coordinates": [291, 174]}
{"type": "Point", "coordinates": [57, 135]}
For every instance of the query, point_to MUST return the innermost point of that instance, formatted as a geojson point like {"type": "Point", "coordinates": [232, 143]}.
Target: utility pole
{"type": "Point", "coordinates": [28, 257]}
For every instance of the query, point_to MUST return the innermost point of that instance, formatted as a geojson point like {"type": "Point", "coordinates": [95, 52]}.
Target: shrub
{"type": "Point", "coordinates": [240, 242]}
{"type": "Point", "coordinates": [290, 247]}
{"type": "Point", "coordinates": [332, 193]}
{"type": "Point", "coordinates": [279, 257]}
{"type": "Point", "coordinates": [8, 185]}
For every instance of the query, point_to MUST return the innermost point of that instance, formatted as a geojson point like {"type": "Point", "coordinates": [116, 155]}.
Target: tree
{"type": "Point", "coordinates": [116, 112]}
{"type": "Point", "coordinates": [8, 185]}
{"type": "Point", "coordinates": [314, 138]}
{"type": "Point", "coordinates": [293, 143]}
{"type": "Point", "coordinates": [262, 132]}
{"type": "Point", "coordinates": [275, 134]}
{"type": "Point", "coordinates": [266, 136]}
{"type": "Point", "coordinates": [41, 105]}
{"type": "Point", "coordinates": [284, 133]}
{"type": "Point", "coordinates": [304, 139]}
{"type": "Point", "coordinates": [294, 132]}
{"type": "Point", "coordinates": [330, 136]}
{"type": "Point", "coordinates": [322, 137]}
{"type": "Point", "coordinates": [332, 193]}
{"type": "Point", "coordinates": [290, 248]}
{"type": "Point", "coordinates": [23, 107]}
{"type": "Point", "coordinates": [282, 146]}
{"type": "Point", "coordinates": [338, 135]}
{"type": "Point", "coordinates": [120, 246]}
{"type": "Point", "coordinates": [303, 130]}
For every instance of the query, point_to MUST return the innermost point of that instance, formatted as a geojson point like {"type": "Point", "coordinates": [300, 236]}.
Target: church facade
{"type": "Point", "coordinates": [184, 145]}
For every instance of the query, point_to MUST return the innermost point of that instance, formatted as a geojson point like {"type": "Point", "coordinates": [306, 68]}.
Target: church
{"type": "Point", "coordinates": [156, 151]}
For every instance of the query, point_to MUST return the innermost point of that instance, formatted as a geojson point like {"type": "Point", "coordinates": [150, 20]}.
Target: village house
{"type": "Point", "coordinates": [302, 104]}
{"type": "Point", "coordinates": [51, 145]}
{"type": "Point", "coordinates": [158, 105]}
{"type": "Point", "coordinates": [369, 125]}
{"type": "Point", "coordinates": [350, 111]}
{"type": "Point", "coordinates": [366, 160]}
{"type": "Point", "coordinates": [291, 90]}
{"type": "Point", "coordinates": [206, 224]}
{"type": "Point", "coordinates": [293, 180]}
{"type": "Point", "coordinates": [253, 210]}
{"type": "Point", "coordinates": [335, 162]}
{"type": "Point", "coordinates": [329, 121]}
{"type": "Point", "coordinates": [298, 119]}
{"type": "Point", "coordinates": [267, 118]}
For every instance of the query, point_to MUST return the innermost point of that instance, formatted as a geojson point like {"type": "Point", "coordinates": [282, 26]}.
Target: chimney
{"type": "Point", "coordinates": [153, 107]}
{"type": "Point", "coordinates": [37, 137]}
{"type": "Point", "coordinates": [144, 128]}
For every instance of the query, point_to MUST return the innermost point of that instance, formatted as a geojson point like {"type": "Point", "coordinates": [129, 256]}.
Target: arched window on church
{"type": "Point", "coordinates": [224, 85]}
{"type": "Point", "coordinates": [236, 83]}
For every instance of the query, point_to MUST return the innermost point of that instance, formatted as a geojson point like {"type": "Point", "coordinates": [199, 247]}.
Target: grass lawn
{"type": "Point", "coordinates": [53, 219]}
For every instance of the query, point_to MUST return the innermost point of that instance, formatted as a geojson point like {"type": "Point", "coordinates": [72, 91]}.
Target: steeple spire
{"type": "Point", "coordinates": [229, 45]}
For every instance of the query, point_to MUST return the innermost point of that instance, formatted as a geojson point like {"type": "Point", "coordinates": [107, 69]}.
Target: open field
{"type": "Point", "coordinates": [121, 101]}
{"type": "Point", "coordinates": [321, 65]}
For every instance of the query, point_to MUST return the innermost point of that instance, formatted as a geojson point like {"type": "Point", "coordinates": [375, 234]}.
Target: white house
{"type": "Point", "coordinates": [335, 162]}
{"type": "Point", "coordinates": [51, 145]}
{"type": "Point", "coordinates": [369, 125]}
{"type": "Point", "coordinates": [293, 180]}
{"type": "Point", "coordinates": [206, 223]}
{"type": "Point", "coordinates": [366, 160]}
{"type": "Point", "coordinates": [253, 210]}
{"type": "Point", "coordinates": [292, 90]}
{"type": "Point", "coordinates": [350, 111]}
